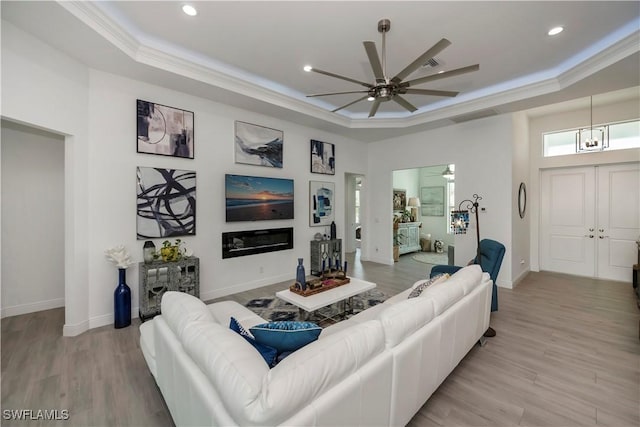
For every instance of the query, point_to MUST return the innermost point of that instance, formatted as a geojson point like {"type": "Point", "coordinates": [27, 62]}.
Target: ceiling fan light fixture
{"type": "Point", "coordinates": [371, 98]}
{"type": "Point", "coordinates": [307, 68]}
{"type": "Point", "coordinates": [189, 10]}
{"type": "Point", "coordinates": [555, 30]}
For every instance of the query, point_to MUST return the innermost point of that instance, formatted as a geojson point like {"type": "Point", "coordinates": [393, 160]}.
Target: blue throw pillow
{"type": "Point", "coordinates": [269, 354]}
{"type": "Point", "coordinates": [286, 335]}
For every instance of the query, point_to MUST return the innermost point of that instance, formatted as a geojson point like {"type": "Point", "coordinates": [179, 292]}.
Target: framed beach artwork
{"type": "Point", "coordinates": [166, 203]}
{"type": "Point", "coordinates": [432, 201]}
{"type": "Point", "coordinates": [254, 198]}
{"type": "Point", "coordinates": [321, 203]}
{"type": "Point", "coordinates": [323, 157]}
{"type": "Point", "coordinates": [258, 145]}
{"type": "Point", "coordinates": [163, 130]}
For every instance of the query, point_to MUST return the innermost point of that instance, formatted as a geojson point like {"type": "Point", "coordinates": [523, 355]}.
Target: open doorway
{"type": "Point", "coordinates": [354, 186]}
{"type": "Point", "coordinates": [422, 220]}
{"type": "Point", "coordinates": [33, 231]}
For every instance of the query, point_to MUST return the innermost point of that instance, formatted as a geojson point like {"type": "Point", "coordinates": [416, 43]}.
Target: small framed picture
{"type": "Point", "coordinates": [163, 130]}
{"type": "Point", "coordinates": [399, 199]}
{"type": "Point", "coordinates": [323, 157]}
{"type": "Point", "coordinates": [258, 145]}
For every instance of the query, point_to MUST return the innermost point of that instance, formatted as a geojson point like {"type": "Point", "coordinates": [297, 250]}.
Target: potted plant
{"type": "Point", "coordinates": [171, 251]}
{"type": "Point", "coordinates": [396, 239]}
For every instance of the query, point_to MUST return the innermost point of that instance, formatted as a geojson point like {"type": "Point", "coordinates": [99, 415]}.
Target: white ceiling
{"type": "Point", "coordinates": [251, 54]}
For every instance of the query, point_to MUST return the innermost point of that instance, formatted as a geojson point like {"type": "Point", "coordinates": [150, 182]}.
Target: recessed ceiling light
{"type": "Point", "coordinates": [555, 30]}
{"type": "Point", "coordinates": [189, 10]}
{"type": "Point", "coordinates": [308, 68]}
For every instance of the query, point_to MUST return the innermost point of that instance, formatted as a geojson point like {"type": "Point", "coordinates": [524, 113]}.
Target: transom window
{"type": "Point", "coordinates": [613, 136]}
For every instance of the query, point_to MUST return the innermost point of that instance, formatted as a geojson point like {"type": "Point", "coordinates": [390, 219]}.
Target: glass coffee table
{"type": "Point", "coordinates": [342, 294]}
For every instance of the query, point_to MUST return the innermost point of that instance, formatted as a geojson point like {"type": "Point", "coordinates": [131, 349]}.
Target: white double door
{"type": "Point", "coordinates": [590, 220]}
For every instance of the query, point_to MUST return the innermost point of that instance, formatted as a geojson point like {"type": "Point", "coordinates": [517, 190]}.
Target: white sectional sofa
{"type": "Point", "coordinates": [376, 368]}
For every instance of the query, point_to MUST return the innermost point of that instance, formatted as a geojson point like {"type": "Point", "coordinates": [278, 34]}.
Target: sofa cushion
{"type": "Point", "coordinates": [286, 335]}
{"type": "Point", "coordinates": [180, 309]}
{"type": "Point", "coordinates": [268, 353]}
{"type": "Point", "coordinates": [421, 285]}
{"type": "Point", "coordinates": [469, 277]}
{"type": "Point", "coordinates": [404, 318]}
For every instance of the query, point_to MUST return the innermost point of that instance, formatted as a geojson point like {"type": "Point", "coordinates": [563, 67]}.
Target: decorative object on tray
{"type": "Point", "coordinates": [122, 294]}
{"type": "Point", "coordinates": [301, 282]}
{"type": "Point", "coordinates": [258, 145]}
{"type": "Point", "coordinates": [330, 278]}
{"type": "Point", "coordinates": [166, 203]}
{"type": "Point", "coordinates": [164, 130]}
{"type": "Point", "coordinates": [323, 157]}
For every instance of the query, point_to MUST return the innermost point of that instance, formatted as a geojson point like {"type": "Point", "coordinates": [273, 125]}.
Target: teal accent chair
{"type": "Point", "coordinates": [491, 254]}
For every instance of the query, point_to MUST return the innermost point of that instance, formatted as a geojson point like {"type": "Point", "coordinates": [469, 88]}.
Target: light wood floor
{"type": "Point", "coordinates": [567, 353]}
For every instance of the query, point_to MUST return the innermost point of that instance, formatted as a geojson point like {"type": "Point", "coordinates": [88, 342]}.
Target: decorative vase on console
{"type": "Point", "coordinates": [300, 275]}
{"type": "Point", "coordinates": [122, 294]}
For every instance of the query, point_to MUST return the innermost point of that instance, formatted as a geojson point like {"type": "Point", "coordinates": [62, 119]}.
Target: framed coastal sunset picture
{"type": "Point", "coordinates": [253, 198]}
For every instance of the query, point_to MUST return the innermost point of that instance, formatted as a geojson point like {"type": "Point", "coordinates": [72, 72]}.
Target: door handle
{"type": "Point", "coordinates": [601, 230]}
{"type": "Point", "coordinates": [589, 236]}
{"type": "Point", "coordinates": [591, 229]}
{"type": "Point", "coordinates": [602, 237]}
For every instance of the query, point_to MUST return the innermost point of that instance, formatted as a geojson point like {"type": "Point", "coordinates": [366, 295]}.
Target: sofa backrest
{"type": "Point", "coordinates": [180, 309]}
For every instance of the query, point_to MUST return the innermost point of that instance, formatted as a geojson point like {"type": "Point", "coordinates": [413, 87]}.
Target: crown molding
{"type": "Point", "coordinates": [150, 53]}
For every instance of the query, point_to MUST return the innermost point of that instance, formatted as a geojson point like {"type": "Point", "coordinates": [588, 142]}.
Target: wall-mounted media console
{"type": "Point", "coordinates": [241, 243]}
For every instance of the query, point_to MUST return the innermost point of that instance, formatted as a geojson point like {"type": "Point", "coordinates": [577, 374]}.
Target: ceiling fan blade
{"type": "Point", "coordinates": [406, 104]}
{"type": "Point", "coordinates": [429, 92]}
{"type": "Point", "coordinates": [337, 76]}
{"type": "Point", "coordinates": [338, 93]}
{"type": "Point", "coordinates": [421, 60]}
{"type": "Point", "coordinates": [351, 103]}
{"type": "Point", "coordinates": [374, 107]}
{"type": "Point", "coordinates": [451, 73]}
{"type": "Point", "coordinates": [374, 60]}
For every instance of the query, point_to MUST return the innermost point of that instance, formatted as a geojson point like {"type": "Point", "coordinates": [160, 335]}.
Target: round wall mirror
{"type": "Point", "coordinates": [522, 199]}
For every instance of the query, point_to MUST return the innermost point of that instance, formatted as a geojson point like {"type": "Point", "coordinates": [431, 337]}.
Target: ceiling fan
{"type": "Point", "coordinates": [388, 89]}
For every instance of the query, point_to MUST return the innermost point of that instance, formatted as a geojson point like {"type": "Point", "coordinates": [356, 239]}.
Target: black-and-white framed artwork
{"type": "Point", "coordinates": [163, 130]}
{"type": "Point", "coordinates": [166, 203]}
{"type": "Point", "coordinates": [321, 203]}
{"type": "Point", "coordinates": [323, 157]}
{"type": "Point", "coordinates": [258, 145]}
{"type": "Point", "coordinates": [432, 201]}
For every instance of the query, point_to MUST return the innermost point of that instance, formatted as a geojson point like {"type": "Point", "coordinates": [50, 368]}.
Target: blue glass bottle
{"type": "Point", "coordinates": [122, 301]}
{"type": "Point", "coordinates": [300, 275]}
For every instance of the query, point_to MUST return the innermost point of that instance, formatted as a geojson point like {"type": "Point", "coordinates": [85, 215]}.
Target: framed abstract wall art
{"type": "Point", "coordinates": [321, 203]}
{"type": "Point", "coordinates": [323, 157]}
{"type": "Point", "coordinates": [258, 145]}
{"type": "Point", "coordinates": [163, 130]}
{"type": "Point", "coordinates": [166, 203]}
{"type": "Point", "coordinates": [432, 201]}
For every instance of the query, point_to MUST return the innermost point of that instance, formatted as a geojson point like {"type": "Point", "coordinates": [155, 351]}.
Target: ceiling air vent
{"type": "Point", "coordinates": [431, 63]}
{"type": "Point", "coordinates": [474, 116]}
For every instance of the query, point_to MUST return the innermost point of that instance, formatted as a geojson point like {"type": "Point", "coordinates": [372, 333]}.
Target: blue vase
{"type": "Point", "coordinates": [300, 275]}
{"type": "Point", "coordinates": [122, 301]}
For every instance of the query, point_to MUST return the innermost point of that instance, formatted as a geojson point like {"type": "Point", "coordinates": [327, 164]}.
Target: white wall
{"type": "Point", "coordinates": [619, 111]}
{"type": "Point", "coordinates": [481, 151]}
{"type": "Point", "coordinates": [32, 220]}
{"type": "Point", "coordinates": [45, 89]}
{"type": "Point", "coordinates": [520, 242]}
{"type": "Point", "coordinates": [97, 112]}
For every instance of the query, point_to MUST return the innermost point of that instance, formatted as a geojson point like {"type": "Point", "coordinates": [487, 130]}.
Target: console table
{"type": "Point", "coordinates": [409, 237]}
{"type": "Point", "coordinates": [158, 277]}
{"type": "Point", "coordinates": [324, 250]}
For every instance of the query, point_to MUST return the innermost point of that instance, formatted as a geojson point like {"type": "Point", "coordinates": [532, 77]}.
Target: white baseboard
{"type": "Point", "coordinates": [380, 260]}
{"type": "Point", "coordinates": [107, 319]}
{"type": "Point", "coordinates": [520, 277]}
{"type": "Point", "coordinates": [32, 307]}
{"type": "Point", "coordinates": [74, 330]}
{"type": "Point", "coordinates": [219, 293]}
